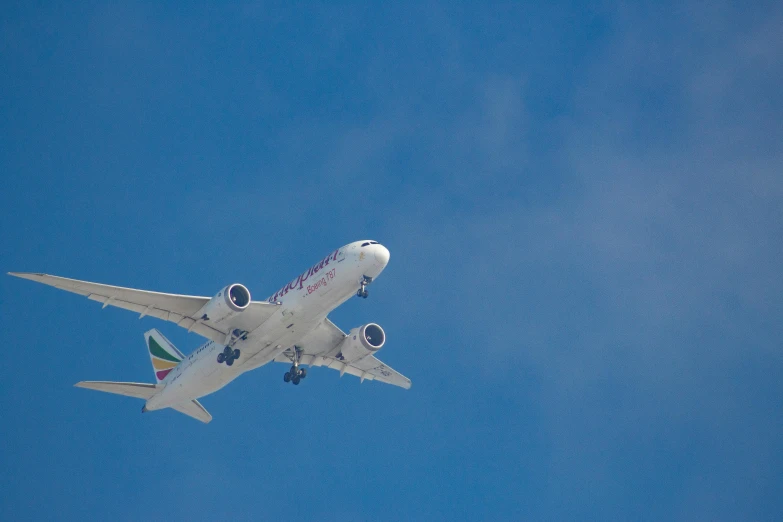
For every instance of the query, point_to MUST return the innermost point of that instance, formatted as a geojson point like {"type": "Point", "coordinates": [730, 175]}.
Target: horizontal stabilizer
{"type": "Point", "coordinates": [194, 409]}
{"type": "Point", "coordinates": [139, 390]}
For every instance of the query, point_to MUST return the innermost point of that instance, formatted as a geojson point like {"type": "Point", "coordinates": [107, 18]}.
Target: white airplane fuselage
{"type": "Point", "coordinates": [304, 302]}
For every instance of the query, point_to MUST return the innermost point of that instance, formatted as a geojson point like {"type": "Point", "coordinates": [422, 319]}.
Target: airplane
{"type": "Point", "coordinates": [291, 326]}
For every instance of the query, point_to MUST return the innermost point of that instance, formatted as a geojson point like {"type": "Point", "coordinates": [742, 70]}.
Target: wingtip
{"type": "Point", "coordinates": [26, 275]}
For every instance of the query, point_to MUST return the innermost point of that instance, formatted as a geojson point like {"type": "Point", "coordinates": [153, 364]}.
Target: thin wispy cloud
{"type": "Point", "coordinates": [584, 207]}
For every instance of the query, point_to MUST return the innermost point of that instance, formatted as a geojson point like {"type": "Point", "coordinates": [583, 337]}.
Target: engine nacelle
{"type": "Point", "coordinates": [361, 342]}
{"type": "Point", "coordinates": [233, 299]}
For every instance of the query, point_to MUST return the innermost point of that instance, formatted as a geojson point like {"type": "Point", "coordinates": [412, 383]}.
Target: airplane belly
{"type": "Point", "coordinates": [209, 365]}
{"type": "Point", "coordinates": [299, 314]}
{"type": "Point", "coordinates": [191, 387]}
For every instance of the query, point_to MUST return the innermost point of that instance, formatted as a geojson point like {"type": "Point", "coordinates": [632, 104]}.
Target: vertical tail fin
{"type": "Point", "coordinates": [163, 354]}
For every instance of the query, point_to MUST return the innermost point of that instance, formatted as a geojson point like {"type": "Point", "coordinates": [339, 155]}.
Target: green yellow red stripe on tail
{"type": "Point", "coordinates": [163, 354]}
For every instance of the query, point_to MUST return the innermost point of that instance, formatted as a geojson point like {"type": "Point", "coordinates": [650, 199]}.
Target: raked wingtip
{"type": "Point", "coordinates": [24, 275]}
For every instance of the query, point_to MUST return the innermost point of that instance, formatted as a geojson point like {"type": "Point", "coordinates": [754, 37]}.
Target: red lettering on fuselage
{"type": "Point", "coordinates": [298, 283]}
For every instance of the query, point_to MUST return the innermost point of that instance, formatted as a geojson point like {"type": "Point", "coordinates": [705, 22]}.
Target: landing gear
{"type": "Point", "coordinates": [295, 374]}
{"type": "Point", "coordinates": [366, 280]}
{"type": "Point", "coordinates": [228, 356]}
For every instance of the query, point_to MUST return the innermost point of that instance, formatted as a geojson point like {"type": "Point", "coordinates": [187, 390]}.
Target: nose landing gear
{"type": "Point", "coordinates": [295, 374]}
{"type": "Point", "coordinates": [366, 280]}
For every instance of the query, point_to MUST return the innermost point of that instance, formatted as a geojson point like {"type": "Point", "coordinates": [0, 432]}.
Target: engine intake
{"type": "Point", "coordinates": [372, 336]}
{"type": "Point", "coordinates": [231, 300]}
{"type": "Point", "coordinates": [237, 297]}
{"type": "Point", "coordinates": [361, 342]}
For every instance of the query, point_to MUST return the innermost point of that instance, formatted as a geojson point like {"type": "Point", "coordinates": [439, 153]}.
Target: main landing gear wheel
{"type": "Point", "coordinates": [295, 374]}
{"type": "Point", "coordinates": [228, 356]}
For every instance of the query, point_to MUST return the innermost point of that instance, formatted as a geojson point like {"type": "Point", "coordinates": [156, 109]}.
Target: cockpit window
{"type": "Point", "coordinates": [373, 242]}
{"type": "Point", "coordinates": [369, 243]}
{"type": "Point", "coordinates": [365, 244]}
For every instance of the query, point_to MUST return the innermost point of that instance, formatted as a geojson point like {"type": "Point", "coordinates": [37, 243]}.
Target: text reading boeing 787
{"type": "Point", "coordinates": [291, 327]}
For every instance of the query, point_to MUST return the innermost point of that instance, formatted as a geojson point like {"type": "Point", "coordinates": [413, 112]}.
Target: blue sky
{"type": "Point", "coordinates": [584, 207]}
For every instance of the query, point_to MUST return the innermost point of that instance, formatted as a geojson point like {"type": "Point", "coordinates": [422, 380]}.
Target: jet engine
{"type": "Point", "coordinates": [361, 342]}
{"type": "Point", "coordinates": [233, 299]}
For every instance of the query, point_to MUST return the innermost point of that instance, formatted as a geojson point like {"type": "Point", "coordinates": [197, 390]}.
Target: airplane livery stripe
{"type": "Point", "coordinates": [158, 351]}
{"type": "Point", "coordinates": [162, 374]}
{"type": "Point", "coordinates": [160, 364]}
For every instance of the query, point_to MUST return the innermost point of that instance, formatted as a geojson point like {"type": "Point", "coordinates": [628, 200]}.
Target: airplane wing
{"type": "Point", "coordinates": [321, 345]}
{"type": "Point", "coordinates": [176, 308]}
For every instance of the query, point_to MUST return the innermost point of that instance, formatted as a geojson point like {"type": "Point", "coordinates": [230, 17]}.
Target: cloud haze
{"type": "Point", "coordinates": [584, 207]}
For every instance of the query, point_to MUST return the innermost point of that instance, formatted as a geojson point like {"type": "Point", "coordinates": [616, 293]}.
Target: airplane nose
{"type": "Point", "coordinates": [382, 255]}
